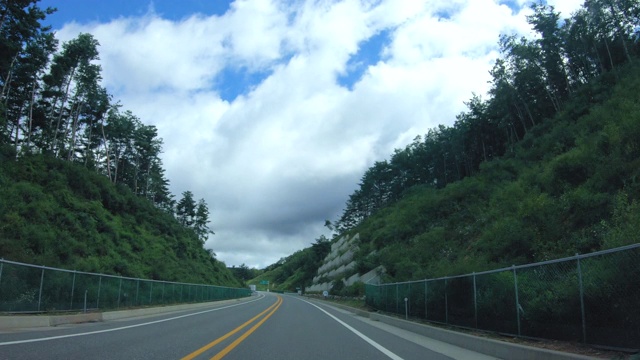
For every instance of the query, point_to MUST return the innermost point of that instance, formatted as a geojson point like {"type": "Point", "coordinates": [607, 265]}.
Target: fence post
{"type": "Point", "coordinates": [584, 323]}
{"type": "Point", "coordinates": [99, 288]}
{"type": "Point", "coordinates": [446, 303]}
{"type": "Point", "coordinates": [515, 282]}
{"type": "Point", "coordinates": [475, 300]}
{"type": "Point", "coordinates": [137, 290]}
{"type": "Point", "coordinates": [409, 295]}
{"type": "Point", "coordinates": [40, 292]}
{"type": "Point", "coordinates": [73, 288]}
{"type": "Point", "coordinates": [397, 299]}
{"type": "Point", "coordinates": [426, 295]}
{"type": "Point", "coordinates": [386, 298]}
{"type": "Point", "coordinates": [119, 289]}
{"type": "Point", "coordinates": [151, 293]}
{"type": "Point", "coordinates": [162, 299]}
{"type": "Point", "coordinates": [1, 266]}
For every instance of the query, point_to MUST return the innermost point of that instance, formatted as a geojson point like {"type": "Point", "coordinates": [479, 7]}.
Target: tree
{"type": "Point", "coordinates": [200, 224]}
{"type": "Point", "coordinates": [71, 77]}
{"type": "Point", "coordinates": [118, 140]}
{"type": "Point", "coordinates": [21, 94]}
{"type": "Point", "coordinates": [24, 49]}
{"type": "Point", "coordinates": [186, 209]}
{"type": "Point", "coordinates": [546, 22]}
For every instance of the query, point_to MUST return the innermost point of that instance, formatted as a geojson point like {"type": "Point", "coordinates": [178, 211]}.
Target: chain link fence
{"type": "Point", "coordinates": [28, 288]}
{"type": "Point", "coordinates": [592, 299]}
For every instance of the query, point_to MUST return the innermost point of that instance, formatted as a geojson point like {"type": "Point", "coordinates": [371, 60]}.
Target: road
{"type": "Point", "coordinates": [268, 326]}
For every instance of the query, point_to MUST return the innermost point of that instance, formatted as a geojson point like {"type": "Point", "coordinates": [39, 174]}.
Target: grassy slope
{"type": "Point", "coordinates": [571, 186]}
{"type": "Point", "coordinates": [59, 214]}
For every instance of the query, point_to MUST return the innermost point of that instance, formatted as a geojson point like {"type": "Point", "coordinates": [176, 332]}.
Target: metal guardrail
{"type": "Point", "coordinates": [26, 288]}
{"type": "Point", "coordinates": [592, 299]}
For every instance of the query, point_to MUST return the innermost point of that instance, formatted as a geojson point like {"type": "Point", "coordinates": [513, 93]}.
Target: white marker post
{"type": "Point", "coordinates": [406, 309]}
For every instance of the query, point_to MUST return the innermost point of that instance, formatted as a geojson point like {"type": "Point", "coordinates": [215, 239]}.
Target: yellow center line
{"type": "Point", "coordinates": [232, 346]}
{"type": "Point", "coordinates": [222, 338]}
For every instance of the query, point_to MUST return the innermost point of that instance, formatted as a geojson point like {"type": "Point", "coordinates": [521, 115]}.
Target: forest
{"type": "Point", "coordinates": [533, 81]}
{"type": "Point", "coordinates": [82, 180]}
{"type": "Point", "coordinates": [547, 165]}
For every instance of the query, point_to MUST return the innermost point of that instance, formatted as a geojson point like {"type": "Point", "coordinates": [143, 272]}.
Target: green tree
{"type": "Point", "coordinates": [186, 209]}
{"type": "Point", "coordinates": [201, 221]}
{"type": "Point", "coordinates": [24, 49]}
{"type": "Point", "coordinates": [71, 75]}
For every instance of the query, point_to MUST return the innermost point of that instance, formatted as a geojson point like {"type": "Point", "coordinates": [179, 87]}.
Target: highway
{"type": "Point", "coordinates": [268, 326]}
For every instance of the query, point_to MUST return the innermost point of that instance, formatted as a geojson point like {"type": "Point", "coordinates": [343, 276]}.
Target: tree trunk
{"type": "Point", "coordinates": [521, 118]}
{"type": "Point", "coordinates": [106, 150]}
{"type": "Point", "coordinates": [17, 138]}
{"type": "Point", "coordinates": [86, 149]}
{"type": "Point", "coordinates": [117, 167]}
{"type": "Point", "coordinates": [64, 100]}
{"type": "Point", "coordinates": [619, 30]}
{"type": "Point", "coordinates": [135, 174]}
{"type": "Point", "coordinates": [7, 81]}
{"type": "Point", "coordinates": [146, 190]}
{"type": "Point", "coordinates": [33, 96]}
{"type": "Point", "coordinates": [74, 129]}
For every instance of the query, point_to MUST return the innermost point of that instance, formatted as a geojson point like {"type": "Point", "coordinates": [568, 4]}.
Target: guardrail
{"type": "Point", "coordinates": [592, 299]}
{"type": "Point", "coordinates": [26, 288]}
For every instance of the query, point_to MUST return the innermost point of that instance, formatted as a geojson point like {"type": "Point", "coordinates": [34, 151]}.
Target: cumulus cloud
{"type": "Point", "coordinates": [283, 155]}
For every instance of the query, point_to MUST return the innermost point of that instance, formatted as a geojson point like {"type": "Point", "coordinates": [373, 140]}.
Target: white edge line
{"type": "Point", "coordinates": [123, 327]}
{"type": "Point", "coordinates": [361, 335]}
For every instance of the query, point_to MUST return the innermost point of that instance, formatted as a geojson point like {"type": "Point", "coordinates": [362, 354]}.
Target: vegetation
{"type": "Point", "coordinates": [547, 166]}
{"type": "Point", "coordinates": [52, 103]}
{"type": "Point", "coordinates": [81, 181]}
{"type": "Point", "coordinates": [296, 270]}
{"type": "Point", "coordinates": [59, 214]}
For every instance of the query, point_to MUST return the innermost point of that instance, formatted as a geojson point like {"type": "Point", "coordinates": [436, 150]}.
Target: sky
{"type": "Point", "coordinates": [271, 111]}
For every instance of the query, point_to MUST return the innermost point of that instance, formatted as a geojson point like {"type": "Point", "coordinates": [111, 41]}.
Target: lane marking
{"type": "Point", "coordinates": [233, 345]}
{"type": "Point", "coordinates": [123, 327]}
{"type": "Point", "coordinates": [361, 335]}
{"type": "Point", "coordinates": [222, 338]}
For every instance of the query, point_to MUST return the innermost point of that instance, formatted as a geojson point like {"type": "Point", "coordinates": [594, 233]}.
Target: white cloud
{"type": "Point", "coordinates": [277, 161]}
{"type": "Point", "coordinates": [565, 7]}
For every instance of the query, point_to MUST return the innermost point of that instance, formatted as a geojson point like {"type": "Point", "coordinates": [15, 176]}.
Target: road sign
{"type": "Point", "coordinates": [264, 282]}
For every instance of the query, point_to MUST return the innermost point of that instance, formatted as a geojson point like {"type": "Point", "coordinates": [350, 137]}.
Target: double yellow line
{"type": "Point", "coordinates": [240, 339]}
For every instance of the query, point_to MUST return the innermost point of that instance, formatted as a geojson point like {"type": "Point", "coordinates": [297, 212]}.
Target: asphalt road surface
{"type": "Point", "coordinates": [268, 326]}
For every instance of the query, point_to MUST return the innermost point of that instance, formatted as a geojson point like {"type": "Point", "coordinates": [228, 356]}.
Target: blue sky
{"type": "Point", "coordinates": [105, 11]}
{"type": "Point", "coordinates": [271, 110]}
{"type": "Point", "coordinates": [233, 80]}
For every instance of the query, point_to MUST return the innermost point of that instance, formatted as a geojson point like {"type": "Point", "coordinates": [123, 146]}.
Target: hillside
{"type": "Point", "coordinates": [296, 270]}
{"type": "Point", "coordinates": [82, 184]}
{"type": "Point", "coordinates": [57, 213]}
{"type": "Point", "coordinates": [570, 186]}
